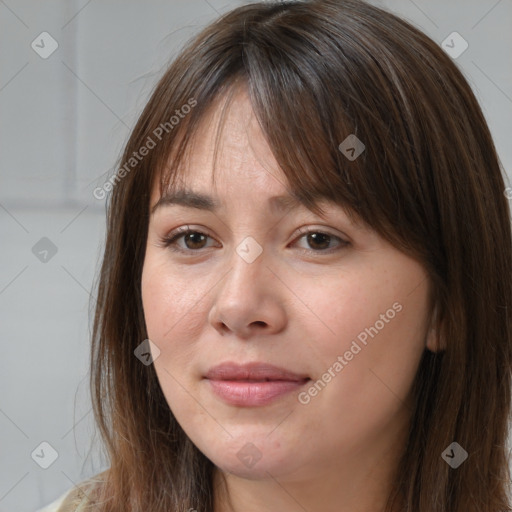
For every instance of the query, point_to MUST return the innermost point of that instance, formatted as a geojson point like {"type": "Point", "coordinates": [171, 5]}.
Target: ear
{"type": "Point", "coordinates": [433, 342]}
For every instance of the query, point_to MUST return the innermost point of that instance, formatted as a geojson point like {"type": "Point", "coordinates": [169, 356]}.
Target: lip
{"type": "Point", "coordinates": [252, 371]}
{"type": "Point", "coordinates": [253, 384]}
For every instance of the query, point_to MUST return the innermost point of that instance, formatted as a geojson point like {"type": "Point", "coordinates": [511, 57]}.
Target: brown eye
{"type": "Point", "coordinates": [193, 240]}
{"type": "Point", "coordinates": [318, 241]}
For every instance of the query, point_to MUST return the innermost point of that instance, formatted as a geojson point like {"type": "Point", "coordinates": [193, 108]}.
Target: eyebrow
{"type": "Point", "coordinates": [192, 199]}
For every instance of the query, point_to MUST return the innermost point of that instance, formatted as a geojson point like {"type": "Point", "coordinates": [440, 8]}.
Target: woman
{"type": "Point", "coordinates": [306, 294]}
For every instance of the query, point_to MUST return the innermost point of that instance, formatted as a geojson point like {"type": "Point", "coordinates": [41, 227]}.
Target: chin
{"type": "Point", "coordinates": [252, 461]}
{"type": "Point", "coordinates": [262, 470]}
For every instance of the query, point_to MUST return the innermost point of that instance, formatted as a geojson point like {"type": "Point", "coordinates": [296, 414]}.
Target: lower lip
{"type": "Point", "coordinates": [250, 394]}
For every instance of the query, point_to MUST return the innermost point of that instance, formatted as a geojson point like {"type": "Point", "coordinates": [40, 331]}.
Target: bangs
{"type": "Point", "coordinates": [307, 181]}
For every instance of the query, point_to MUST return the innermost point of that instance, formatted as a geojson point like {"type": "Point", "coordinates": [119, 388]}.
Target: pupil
{"type": "Point", "coordinates": [316, 236]}
{"type": "Point", "coordinates": [193, 235]}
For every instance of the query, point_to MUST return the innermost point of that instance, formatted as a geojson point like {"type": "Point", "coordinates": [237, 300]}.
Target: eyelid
{"type": "Point", "coordinates": [304, 230]}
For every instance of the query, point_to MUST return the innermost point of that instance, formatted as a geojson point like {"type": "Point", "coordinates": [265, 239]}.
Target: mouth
{"type": "Point", "coordinates": [253, 384]}
{"type": "Point", "coordinates": [261, 380]}
{"type": "Point", "coordinates": [253, 372]}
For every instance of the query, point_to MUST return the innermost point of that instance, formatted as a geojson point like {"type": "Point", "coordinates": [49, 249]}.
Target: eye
{"type": "Point", "coordinates": [194, 240]}
{"type": "Point", "coordinates": [321, 239]}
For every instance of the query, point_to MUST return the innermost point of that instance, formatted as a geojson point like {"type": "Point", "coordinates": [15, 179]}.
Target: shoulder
{"type": "Point", "coordinates": [76, 498]}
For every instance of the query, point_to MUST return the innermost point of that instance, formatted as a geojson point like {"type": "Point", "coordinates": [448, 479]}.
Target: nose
{"type": "Point", "coordinates": [246, 301]}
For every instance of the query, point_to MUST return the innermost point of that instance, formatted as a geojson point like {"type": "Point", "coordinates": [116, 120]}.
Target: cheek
{"type": "Point", "coordinates": [335, 311]}
{"type": "Point", "coordinates": [163, 297]}
{"type": "Point", "coordinates": [380, 329]}
{"type": "Point", "coordinates": [155, 301]}
{"type": "Point", "coordinates": [173, 311]}
{"type": "Point", "coordinates": [170, 322]}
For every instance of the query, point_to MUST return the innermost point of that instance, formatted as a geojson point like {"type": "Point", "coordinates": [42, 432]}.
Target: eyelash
{"type": "Point", "coordinates": [170, 240]}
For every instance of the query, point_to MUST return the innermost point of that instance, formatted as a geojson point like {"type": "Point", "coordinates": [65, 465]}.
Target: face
{"type": "Point", "coordinates": [320, 297]}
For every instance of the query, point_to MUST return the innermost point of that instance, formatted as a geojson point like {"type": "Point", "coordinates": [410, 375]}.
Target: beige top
{"type": "Point", "coordinates": [54, 505]}
{"type": "Point", "coordinates": [75, 499]}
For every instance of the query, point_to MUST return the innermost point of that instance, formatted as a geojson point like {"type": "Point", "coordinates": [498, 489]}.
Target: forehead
{"type": "Point", "coordinates": [227, 143]}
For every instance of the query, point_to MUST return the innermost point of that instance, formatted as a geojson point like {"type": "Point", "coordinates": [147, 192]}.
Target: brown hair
{"type": "Point", "coordinates": [429, 182]}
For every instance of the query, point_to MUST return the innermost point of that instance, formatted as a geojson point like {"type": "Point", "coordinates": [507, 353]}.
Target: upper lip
{"type": "Point", "coordinates": [252, 371]}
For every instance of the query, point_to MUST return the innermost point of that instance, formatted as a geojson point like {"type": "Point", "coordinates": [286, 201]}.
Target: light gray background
{"type": "Point", "coordinates": [63, 121]}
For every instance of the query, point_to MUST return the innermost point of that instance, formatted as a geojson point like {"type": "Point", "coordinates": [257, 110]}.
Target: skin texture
{"type": "Point", "coordinates": [299, 305]}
